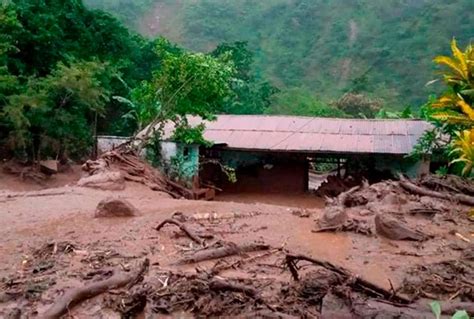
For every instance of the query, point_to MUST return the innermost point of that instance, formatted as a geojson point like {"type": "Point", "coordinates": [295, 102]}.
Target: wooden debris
{"type": "Point", "coordinates": [350, 198]}
{"type": "Point", "coordinates": [137, 170]}
{"type": "Point", "coordinates": [336, 219]}
{"type": "Point", "coordinates": [219, 266]}
{"type": "Point", "coordinates": [76, 295]}
{"type": "Point", "coordinates": [229, 249]}
{"type": "Point", "coordinates": [219, 284]}
{"type": "Point", "coordinates": [183, 227]}
{"type": "Point", "coordinates": [462, 237]}
{"type": "Point", "coordinates": [41, 193]}
{"type": "Point", "coordinates": [214, 216]}
{"type": "Point", "coordinates": [414, 189]}
{"type": "Point", "coordinates": [355, 280]}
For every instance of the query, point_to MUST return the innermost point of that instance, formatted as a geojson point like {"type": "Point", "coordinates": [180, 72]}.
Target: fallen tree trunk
{"type": "Point", "coordinates": [77, 295]}
{"type": "Point", "coordinates": [215, 216]}
{"type": "Point", "coordinates": [41, 193]}
{"type": "Point", "coordinates": [412, 188]}
{"type": "Point", "coordinates": [365, 285]}
{"type": "Point", "coordinates": [229, 250]}
{"type": "Point", "coordinates": [183, 227]}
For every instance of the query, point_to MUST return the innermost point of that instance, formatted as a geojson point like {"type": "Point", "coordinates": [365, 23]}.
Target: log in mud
{"type": "Point", "coordinates": [414, 189]}
{"type": "Point", "coordinates": [77, 295]}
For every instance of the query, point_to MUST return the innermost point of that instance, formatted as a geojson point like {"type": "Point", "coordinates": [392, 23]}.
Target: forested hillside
{"type": "Point", "coordinates": [69, 71]}
{"type": "Point", "coordinates": [382, 48]}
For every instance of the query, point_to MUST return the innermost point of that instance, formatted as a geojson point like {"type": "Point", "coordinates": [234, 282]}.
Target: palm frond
{"type": "Point", "coordinates": [466, 109]}
{"type": "Point", "coordinates": [452, 118]}
{"type": "Point", "coordinates": [452, 64]}
{"type": "Point", "coordinates": [459, 55]}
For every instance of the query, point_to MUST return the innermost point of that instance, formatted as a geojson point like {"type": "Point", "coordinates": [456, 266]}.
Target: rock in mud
{"type": "Point", "coordinates": [333, 216]}
{"type": "Point", "coordinates": [393, 229]}
{"type": "Point", "coordinates": [115, 207]}
{"type": "Point", "coordinates": [49, 167]}
{"type": "Point", "coordinates": [104, 181]}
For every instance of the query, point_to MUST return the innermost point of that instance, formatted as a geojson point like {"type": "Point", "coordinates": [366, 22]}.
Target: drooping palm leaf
{"type": "Point", "coordinates": [463, 147]}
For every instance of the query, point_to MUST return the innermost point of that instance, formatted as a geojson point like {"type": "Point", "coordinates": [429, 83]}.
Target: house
{"type": "Point", "coordinates": [274, 153]}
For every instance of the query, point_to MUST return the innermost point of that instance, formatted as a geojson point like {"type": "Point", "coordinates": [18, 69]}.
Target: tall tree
{"type": "Point", "coordinates": [251, 95]}
{"type": "Point", "coordinates": [189, 84]}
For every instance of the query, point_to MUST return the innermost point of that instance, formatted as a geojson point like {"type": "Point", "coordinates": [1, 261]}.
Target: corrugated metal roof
{"type": "Point", "coordinates": [312, 134]}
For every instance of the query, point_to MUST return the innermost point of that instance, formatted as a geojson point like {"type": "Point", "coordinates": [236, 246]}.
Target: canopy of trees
{"type": "Point", "coordinates": [68, 72]}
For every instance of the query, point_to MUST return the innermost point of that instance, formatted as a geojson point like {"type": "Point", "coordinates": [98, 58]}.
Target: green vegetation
{"type": "Point", "coordinates": [188, 84]}
{"type": "Point", "coordinates": [436, 309]}
{"type": "Point", "coordinates": [68, 72]}
{"type": "Point", "coordinates": [453, 112]}
{"type": "Point", "coordinates": [301, 102]}
{"type": "Point", "coordinates": [127, 11]}
{"type": "Point", "coordinates": [382, 49]}
{"type": "Point", "coordinates": [60, 63]}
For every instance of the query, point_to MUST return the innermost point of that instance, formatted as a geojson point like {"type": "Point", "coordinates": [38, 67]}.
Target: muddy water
{"type": "Point", "coordinates": [30, 222]}
{"type": "Point", "coordinates": [288, 200]}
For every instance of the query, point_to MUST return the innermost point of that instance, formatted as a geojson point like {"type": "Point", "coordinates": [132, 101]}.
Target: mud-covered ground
{"type": "Point", "coordinates": [51, 242]}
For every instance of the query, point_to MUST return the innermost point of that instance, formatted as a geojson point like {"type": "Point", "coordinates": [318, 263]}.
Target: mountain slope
{"type": "Point", "coordinates": [384, 48]}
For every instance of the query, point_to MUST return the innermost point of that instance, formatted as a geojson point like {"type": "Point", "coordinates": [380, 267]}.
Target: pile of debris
{"type": "Point", "coordinates": [381, 208]}
{"type": "Point", "coordinates": [324, 290]}
{"type": "Point", "coordinates": [422, 211]}
{"type": "Point", "coordinates": [113, 168]}
{"type": "Point", "coordinates": [335, 185]}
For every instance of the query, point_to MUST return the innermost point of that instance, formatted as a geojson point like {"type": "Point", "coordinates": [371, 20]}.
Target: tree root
{"type": "Point", "coordinates": [76, 295]}
{"type": "Point", "coordinates": [184, 228]}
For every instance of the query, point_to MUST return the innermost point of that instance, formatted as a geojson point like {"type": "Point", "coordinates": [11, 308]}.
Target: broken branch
{"type": "Point", "coordinates": [183, 227]}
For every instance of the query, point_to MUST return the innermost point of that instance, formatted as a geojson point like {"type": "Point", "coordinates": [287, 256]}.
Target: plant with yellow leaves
{"type": "Point", "coordinates": [455, 106]}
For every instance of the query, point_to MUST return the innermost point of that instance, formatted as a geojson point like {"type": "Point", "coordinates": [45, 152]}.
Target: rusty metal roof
{"type": "Point", "coordinates": [312, 134]}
